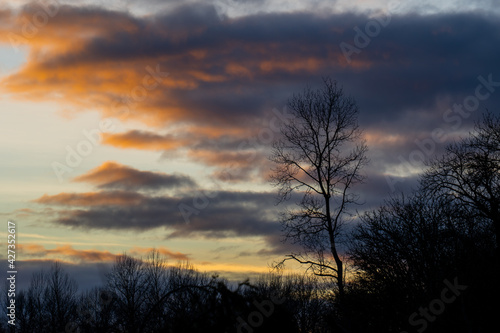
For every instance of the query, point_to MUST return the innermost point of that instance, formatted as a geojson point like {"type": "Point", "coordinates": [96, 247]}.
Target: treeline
{"type": "Point", "coordinates": [404, 256]}
{"type": "Point", "coordinates": [423, 262]}
{"type": "Point", "coordinates": [430, 261]}
{"type": "Point", "coordinates": [147, 295]}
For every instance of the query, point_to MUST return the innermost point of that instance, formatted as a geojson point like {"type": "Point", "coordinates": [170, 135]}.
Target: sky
{"type": "Point", "coordinates": [130, 125]}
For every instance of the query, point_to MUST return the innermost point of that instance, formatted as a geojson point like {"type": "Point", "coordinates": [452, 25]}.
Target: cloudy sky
{"type": "Point", "coordinates": [129, 124]}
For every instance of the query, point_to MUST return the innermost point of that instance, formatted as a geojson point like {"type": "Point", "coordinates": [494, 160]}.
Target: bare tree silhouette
{"type": "Point", "coordinates": [128, 283]}
{"type": "Point", "coordinates": [319, 156]}
{"type": "Point", "coordinates": [469, 172]}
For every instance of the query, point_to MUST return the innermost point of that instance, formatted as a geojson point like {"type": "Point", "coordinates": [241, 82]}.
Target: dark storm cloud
{"type": "Point", "coordinates": [224, 214]}
{"type": "Point", "coordinates": [379, 187]}
{"type": "Point", "coordinates": [104, 198]}
{"type": "Point", "coordinates": [418, 59]}
{"type": "Point", "coordinates": [210, 214]}
{"type": "Point", "coordinates": [225, 72]}
{"type": "Point", "coordinates": [414, 67]}
{"type": "Point", "coordinates": [227, 214]}
{"type": "Point", "coordinates": [112, 175]}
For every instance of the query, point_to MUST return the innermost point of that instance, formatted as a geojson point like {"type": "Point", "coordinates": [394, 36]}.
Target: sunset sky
{"type": "Point", "coordinates": [128, 125]}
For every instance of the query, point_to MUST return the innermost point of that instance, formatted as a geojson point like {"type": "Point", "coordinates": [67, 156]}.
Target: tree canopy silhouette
{"type": "Point", "coordinates": [319, 156]}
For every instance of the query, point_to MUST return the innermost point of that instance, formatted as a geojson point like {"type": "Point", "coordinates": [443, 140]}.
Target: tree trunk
{"type": "Point", "coordinates": [340, 273]}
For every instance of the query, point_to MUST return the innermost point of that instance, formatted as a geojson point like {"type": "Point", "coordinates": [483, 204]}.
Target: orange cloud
{"type": "Point", "coordinates": [90, 57]}
{"type": "Point", "coordinates": [185, 137]}
{"type": "Point", "coordinates": [119, 198]}
{"type": "Point", "coordinates": [235, 166]}
{"type": "Point", "coordinates": [294, 65]}
{"type": "Point", "coordinates": [143, 251]}
{"type": "Point", "coordinates": [205, 85]}
{"type": "Point", "coordinates": [106, 172]}
{"type": "Point", "coordinates": [71, 254]}
{"type": "Point", "coordinates": [35, 250]}
{"type": "Point", "coordinates": [144, 140]}
{"type": "Point", "coordinates": [377, 138]}
{"type": "Point", "coordinates": [225, 158]}
{"type": "Point", "coordinates": [117, 176]}
{"type": "Point", "coordinates": [238, 70]}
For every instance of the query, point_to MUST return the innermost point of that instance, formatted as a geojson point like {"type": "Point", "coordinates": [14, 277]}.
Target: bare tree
{"type": "Point", "coordinates": [156, 270]}
{"type": "Point", "coordinates": [405, 249]}
{"type": "Point", "coordinates": [319, 156]}
{"type": "Point", "coordinates": [60, 297]}
{"type": "Point", "coordinates": [307, 299]}
{"type": "Point", "coordinates": [469, 172]}
{"type": "Point", "coordinates": [95, 311]}
{"type": "Point", "coordinates": [35, 304]}
{"type": "Point", "coordinates": [127, 282]}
